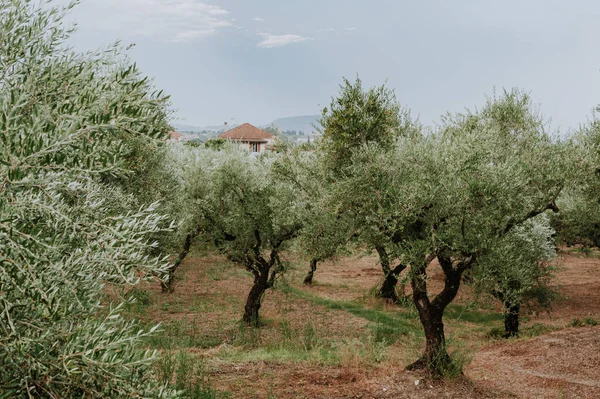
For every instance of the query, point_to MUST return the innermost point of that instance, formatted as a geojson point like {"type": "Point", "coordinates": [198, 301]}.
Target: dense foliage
{"type": "Point", "coordinates": [360, 120]}
{"type": "Point", "coordinates": [358, 117]}
{"type": "Point", "coordinates": [326, 233]}
{"type": "Point", "coordinates": [65, 119]}
{"type": "Point", "coordinates": [453, 193]}
{"type": "Point", "coordinates": [579, 220]}
{"type": "Point", "coordinates": [234, 200]}
{"type": "Point", "coordinates": [517, 270]}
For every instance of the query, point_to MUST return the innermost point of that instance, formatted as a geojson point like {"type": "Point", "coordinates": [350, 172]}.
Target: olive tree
{"type": "Point", "coordinates": [359, 117]}
{"type": "Point", "coordinates": [248, 214]}
{"type": "Point", "coordinates": [501, 167]}
{"type": "Point", "coordinates": [65, 234]}
{"type": "Point", "coordinates": [579, 219]}
{"type": "Point", "coordinates": [517, 269]}
{"type": "Point", "coordinates": [453, 193]}
{"type": "Point", "coordinates": [184, 170]}
{"type": "Point", "coordinates": [325, 233]}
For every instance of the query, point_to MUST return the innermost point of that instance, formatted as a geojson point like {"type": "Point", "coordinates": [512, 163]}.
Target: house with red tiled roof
{"type": "Point", "coordinates": [256, 139]}
{"type": "Point", "coordinates": [175, 136]}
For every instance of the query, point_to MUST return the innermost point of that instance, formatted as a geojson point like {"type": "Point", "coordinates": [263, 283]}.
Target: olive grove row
{"type": "Point", "coordinates": [474, 193]}
{"type": "Point", "coordinates": [92, 196]}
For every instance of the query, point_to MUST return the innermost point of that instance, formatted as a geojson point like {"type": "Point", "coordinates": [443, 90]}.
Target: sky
{"type": "Point", "coordinates": [258, 60]}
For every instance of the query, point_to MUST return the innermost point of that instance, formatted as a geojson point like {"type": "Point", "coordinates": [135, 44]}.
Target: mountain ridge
{"type": "Point", "coordinates": [299, 123]}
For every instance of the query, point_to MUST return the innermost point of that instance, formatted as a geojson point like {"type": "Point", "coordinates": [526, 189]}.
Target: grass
{"type": "Point", "coordinates": [280, 340]}
{"type": "Point", "coordinates": [300, 330]}
{"type": "Point", "coordinates": [466, 313]}
{"type": "Point", "coordinates": [588, 321]}
{"type": "Point", "coordinates": [187, 373]}
{"type": "Point", "coordinates": [584, 251]}
{"type": "Point", "coordinates": [388, 326]}
{"type": "Point", "coordinates": [283, 341]}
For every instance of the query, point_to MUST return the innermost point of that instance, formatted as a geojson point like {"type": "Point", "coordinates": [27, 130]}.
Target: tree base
{"type": "Point", "coordinates": [251, 322]}
{"type": "Point", "coordinates": [420, 364]}
{"type": "Point", "coordinates": [167, 288]}
{"type": "Point", "coordinates": [435, 368]}
{"type": "Point", "coordinates": [308, 280]}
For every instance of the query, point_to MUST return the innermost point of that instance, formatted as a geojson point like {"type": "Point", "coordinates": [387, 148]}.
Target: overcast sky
{"type": "Point", "coordinates": [258, 60]}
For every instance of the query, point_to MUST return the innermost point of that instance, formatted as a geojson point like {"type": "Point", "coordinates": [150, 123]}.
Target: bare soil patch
{"type": "Point", "coordinates": [563, 364]}
{"type": "Point", "coordinates": [579, 285]}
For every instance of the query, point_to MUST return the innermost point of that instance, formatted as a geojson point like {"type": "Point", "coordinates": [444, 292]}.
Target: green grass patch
{"type": "Point", "coordinates": [536, 329]}
{"type": "Point", "coordinates": [387, 326]}
{"type": "Point", "coordinates": [584, 251]}
{"type": "Point", "coordinates": [588, 321]}
{"type": "Point", "coordinates": [465, 313]}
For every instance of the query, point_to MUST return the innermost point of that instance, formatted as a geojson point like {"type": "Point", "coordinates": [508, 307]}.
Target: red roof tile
{"type": "Point", "coordinates": [247, 132]}
{"type": "Point", "coordinates": [175, 135]}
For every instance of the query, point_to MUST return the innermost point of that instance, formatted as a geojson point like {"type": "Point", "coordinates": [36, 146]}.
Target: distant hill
{"type": "Point", "coordinates": [191, 128]}
{"type": "Point", "coordinates": [302, 123]}
{"type": "Point", "coordinates": [299, 123]}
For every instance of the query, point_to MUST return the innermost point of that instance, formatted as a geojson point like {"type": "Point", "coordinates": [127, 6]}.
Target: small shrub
{"type": "Point", "coordinates": [287, 331]}
{"type": "Point", "coordinates": [246, 336]}
{"type": "Point", "coordinates": [458, 361]}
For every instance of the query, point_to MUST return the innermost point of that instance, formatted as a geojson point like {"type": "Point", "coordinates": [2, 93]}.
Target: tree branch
{"type": "Point", "coordinates": [514, 222]}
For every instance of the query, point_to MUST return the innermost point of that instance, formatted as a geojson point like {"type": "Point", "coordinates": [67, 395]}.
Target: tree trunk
{"type": "Point", "coordinates": [308, 280]}
{"type": "Point", "coordinates": [168, 285]}
{"type": "Point", "coordinates": [388, 288]}
{"type": "Point", "coordinates": [261, 284]}
{"type": "Point", "coordinates": [435, 358]}
{"type": "Point", "coordinates": [390, 280]}
{"type": "Point", "coordinates": [511, 319]}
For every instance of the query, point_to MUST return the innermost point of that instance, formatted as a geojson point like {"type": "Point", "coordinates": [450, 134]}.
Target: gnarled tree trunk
{"type": "Point", "coordinates": [253, 302]}
{"type": "Point", "coordinates": [264, 278]}
{"type": "Point", "coordinates": [512, 309]}
{"type": "Point", "coordinates": [435, 358]}
{"type": "Point", "coordinates": [168, 285]}
{"type": "Point", "coordinates": [390, 280]}
{"type": "Point", "coordinates": [511, 319]}
{"type": "Point", "coordinates": [308, 280]}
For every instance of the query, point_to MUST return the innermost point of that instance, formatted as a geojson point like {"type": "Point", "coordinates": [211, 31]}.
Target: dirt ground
{"type": "Point", "coordinates": [335, 315]}
{"type": "Point", "coordinates": [561, 364]}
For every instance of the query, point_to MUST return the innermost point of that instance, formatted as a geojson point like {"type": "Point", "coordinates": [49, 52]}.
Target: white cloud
{"type": "Point", "coordinates": [351, 29]}
{"type": "Point", "coordinates": [171, 20]}
{"type": "Point", "coordinates": [330, 30]}
{"type": "Point", "coordinates": [258, 19]}
{"type": "Point", "coordinates": [270, 41]}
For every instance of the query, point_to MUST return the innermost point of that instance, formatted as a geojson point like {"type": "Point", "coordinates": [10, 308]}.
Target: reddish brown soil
{"type": "Point", "coordinates": [561, 364]}
{"type": "Point", "coordinates": [300, 381]}
{"type": "Point", "coordinates": [579, 285]}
